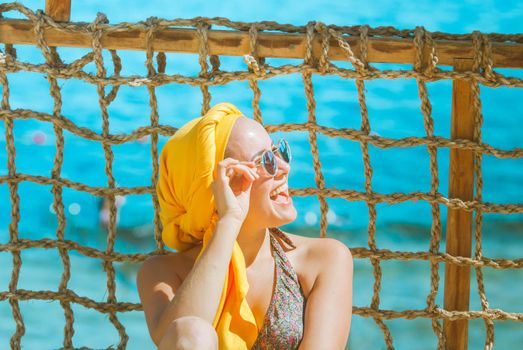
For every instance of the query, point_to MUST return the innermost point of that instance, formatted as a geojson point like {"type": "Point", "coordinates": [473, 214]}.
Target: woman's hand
{"type": "Point", "coordinates": [232, 188]}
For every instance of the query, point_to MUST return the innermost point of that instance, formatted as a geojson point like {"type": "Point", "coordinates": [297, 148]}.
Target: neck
{"type": "Point", "coordinates": [254, 242]}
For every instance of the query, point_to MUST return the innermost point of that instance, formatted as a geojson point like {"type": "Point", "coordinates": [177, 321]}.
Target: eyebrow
{"type": "Point", "coordinates": [259, 153]}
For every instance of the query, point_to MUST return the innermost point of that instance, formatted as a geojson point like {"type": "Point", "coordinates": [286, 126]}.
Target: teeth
{"type": "Point", "coordinates": [282, 188]}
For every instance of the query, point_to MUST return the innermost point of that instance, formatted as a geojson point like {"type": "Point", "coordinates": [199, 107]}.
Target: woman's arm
{"type": "Point", "coordinates": [199, 294]}
{"type": "Point", "coordinates": [164, 296]}
{"type": "Point", "coordinates": [328, 310]}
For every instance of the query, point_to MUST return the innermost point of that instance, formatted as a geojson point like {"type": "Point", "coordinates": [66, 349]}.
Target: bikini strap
{"type": "Point", "coordinates": [285, 272]}
{"type": "Point", "coordinates": [276, 231]}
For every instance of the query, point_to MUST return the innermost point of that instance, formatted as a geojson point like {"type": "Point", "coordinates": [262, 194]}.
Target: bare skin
{"type": "Point", "coordinates": [323, 265]}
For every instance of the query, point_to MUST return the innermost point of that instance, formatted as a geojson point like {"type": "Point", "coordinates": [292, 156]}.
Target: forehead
{"type": "Point", "coordinates": [248, 139]}
{"type": "Point", "coordinates": [261, 150]}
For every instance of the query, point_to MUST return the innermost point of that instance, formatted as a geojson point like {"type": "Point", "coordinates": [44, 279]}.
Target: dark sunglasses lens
{"type": "Point", "coordinates": [269, 162]}
{"type": "Point", "coordinates": [285, 151]}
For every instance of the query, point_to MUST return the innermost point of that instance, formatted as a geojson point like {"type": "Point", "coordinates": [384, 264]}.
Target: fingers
{"type": "Point", "coordinates": [230, 167]}
{"type": "Point", "coordinates": [242, 171]}
{"type": "Point", "coordinates": [238, 175]}
{"type": "Point", "coordinates": [222, 166]}
{"type": "Point", "coordinates": [246, 169]}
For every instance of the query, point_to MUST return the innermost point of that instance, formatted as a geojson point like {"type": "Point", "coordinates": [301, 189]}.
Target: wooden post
{"type": "Point", "coordinates": [459, 222]}
{"type": "Point", "coordinates": [59, 10]}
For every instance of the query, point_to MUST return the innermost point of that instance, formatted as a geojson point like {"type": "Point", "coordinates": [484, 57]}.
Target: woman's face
{"type": "Point", "coordinates": [247, 142]}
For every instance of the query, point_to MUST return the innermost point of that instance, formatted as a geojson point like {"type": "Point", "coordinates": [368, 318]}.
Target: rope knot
{"type": "Point", "coordinates": [152, 22]}
{"type": "Point", "coordinates": [364, 46]}
{"type": "Point", "coordinates": [325, 32]}
{"type": "Point", "coordinates": [309, 57]}
{"type": "Point", "coordinates": [101, 18]}
{"type": "Point", "coordinates": [320, 27]}
{"type": "Point", "coordinates": [483, 62]}
{"type": "Point", "coordinates": [202, 24]}
{"type": "Point", "coordinates": [423, 42]}
{"type": "Point", "coordinates": [215, 64]}
{"type": "Point", "coordinates": [253, 65]}
{"type": "Point", "coordinates": [254, 62]}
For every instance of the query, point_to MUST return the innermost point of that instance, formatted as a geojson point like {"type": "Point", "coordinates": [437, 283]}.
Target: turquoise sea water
{"type": "Point", "coordinates": [394, 111]}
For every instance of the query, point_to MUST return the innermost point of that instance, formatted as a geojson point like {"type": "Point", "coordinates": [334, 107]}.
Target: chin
{"type": "Point", "coordinates": [283, 215]}
{"type": "Point", "coordinates": [291, 218]}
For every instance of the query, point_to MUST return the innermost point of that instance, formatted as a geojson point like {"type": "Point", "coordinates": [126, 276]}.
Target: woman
{"type": "Point", "coordinates": [237, 281]}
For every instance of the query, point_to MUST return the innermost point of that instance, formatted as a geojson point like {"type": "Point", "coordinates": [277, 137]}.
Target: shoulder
{"type": "Point", "coordinates": [316, 256]}
{"type": "Point", "coordinates": [333, 257]}
{"type": "Point", "coordinates": [320, 248]}
{"type": "Point", "coordinates": [157, 269]}
{"type": "Point", "coordinates": [154, 261]}
{"type": "Point", "coordinates": [330, 249]}
{"type": "Point", "coordinates": [166, 268]}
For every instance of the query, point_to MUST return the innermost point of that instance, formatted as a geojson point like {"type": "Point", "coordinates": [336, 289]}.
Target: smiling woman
{"type": "Point", "coordinates": [237, 280]}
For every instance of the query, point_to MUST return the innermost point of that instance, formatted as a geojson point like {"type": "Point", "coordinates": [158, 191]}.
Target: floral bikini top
{"type": "Point", "coordinates": [283, 324]}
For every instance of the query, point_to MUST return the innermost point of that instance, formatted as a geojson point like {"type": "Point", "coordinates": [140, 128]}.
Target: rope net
{"type": "Point", "coordinates": [424, 70]}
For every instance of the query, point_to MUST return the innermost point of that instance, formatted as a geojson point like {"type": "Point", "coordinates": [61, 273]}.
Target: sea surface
{"type": "Point", "coordinates": [394, 112]}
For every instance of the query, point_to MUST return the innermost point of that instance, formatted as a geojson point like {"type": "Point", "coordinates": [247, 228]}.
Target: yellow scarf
{"type": "Point", "coordinates": [188, 165]}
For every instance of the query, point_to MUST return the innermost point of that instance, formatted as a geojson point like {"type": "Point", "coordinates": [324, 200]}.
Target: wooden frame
{"type": "Point", "coordinates": [458, 54]}
{"type": "Point", "coordinates": [236, 43]}
{"type": "Point", "coordinates": [459, 222]}
{"type": "Point", "coordinates": [59, 10]}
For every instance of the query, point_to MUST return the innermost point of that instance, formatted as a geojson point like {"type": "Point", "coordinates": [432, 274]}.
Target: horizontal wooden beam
{"type": "Point", "coordinates": [236, 43]}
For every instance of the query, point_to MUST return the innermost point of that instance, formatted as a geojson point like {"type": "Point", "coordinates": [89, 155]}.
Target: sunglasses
{"type": "Point", "coordinates": [268, 161]}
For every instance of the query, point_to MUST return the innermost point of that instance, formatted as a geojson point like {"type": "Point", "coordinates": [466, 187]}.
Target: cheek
{"type": "Point", "coordinates": [260, 194]}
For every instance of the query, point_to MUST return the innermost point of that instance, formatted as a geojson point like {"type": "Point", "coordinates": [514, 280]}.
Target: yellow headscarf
{"type": "Point", "coordinates": [188, 212]}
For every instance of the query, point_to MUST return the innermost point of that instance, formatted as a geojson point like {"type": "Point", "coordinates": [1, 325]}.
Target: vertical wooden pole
{"type": "Point", "coordinates": [59, 10]}
{"type": "Point", "coordinates": [459, 222]}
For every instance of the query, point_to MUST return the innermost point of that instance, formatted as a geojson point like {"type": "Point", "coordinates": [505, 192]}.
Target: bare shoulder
{"type": "Point", "coordinates": [158, 269]}
{"type": "Point", "coordinates": [317, 247]}
{"type": "Point", "coordinates": [160, 275]}
{"type": "Point", "coordinates": [314, 256]}
{"type": "Point", "coordinates": [168, 268]}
